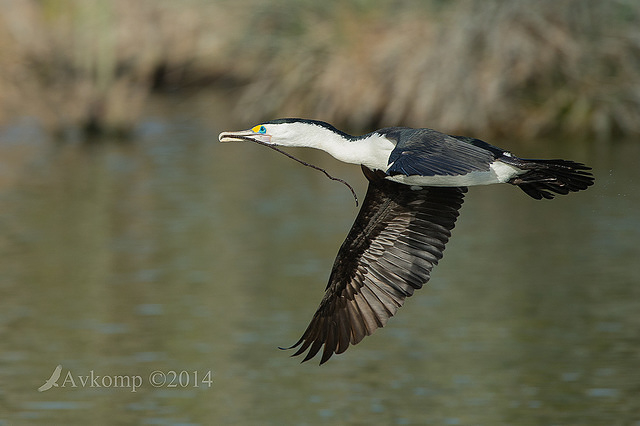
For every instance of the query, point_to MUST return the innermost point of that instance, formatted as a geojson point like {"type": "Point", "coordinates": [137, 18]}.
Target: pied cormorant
{"type": "Point", "coordinates": [417, 180]}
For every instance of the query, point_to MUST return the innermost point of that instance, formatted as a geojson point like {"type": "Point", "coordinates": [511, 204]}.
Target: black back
{"type": "Point", "coordinates": [427, 152]}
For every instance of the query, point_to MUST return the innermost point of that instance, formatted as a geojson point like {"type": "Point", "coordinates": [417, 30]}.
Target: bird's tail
{"type": "Point", "coordinates": [545, 178]}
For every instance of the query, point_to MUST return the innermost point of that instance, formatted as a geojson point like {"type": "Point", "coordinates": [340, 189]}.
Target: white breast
{"type": "Point", "coordinates": [372, 152]}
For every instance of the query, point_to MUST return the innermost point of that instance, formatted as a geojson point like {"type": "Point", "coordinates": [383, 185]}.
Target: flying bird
{"type": "Point", "coordinates": [417, 181]}
{"type": "Point", "coordinates": [52, 380]}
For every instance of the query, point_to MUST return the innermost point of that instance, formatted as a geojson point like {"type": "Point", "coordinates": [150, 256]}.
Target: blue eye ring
{"type": "Point", "coordinates": [260, 129]}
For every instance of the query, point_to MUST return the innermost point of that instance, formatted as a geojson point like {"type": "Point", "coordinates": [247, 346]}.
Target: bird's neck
{"type": "Point", "coordinates": [372, 151]}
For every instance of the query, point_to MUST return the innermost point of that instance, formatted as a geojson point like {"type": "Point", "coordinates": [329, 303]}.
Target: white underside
{"type": "Point", "coordinates": [499, 173]}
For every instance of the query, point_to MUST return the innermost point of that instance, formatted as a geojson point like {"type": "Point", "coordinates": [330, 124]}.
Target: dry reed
{"type": "Point", "coordinates": [519, 68]}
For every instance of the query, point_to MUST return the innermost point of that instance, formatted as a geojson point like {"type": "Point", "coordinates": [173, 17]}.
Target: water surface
{"type": "Point", "coordinates": [175, 253]}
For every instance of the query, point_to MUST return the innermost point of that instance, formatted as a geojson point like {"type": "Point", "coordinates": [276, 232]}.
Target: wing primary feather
{"type": "Point", "coordinates": [396, 240]}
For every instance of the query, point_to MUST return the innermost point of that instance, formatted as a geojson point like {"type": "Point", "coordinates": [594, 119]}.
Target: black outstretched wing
{"type": "Point", "coordinates": [397, 238]}
{"type": "Point", "coordinates": [427, 152]}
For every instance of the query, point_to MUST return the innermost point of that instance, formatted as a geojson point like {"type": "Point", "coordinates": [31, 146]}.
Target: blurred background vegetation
{"type": "Point", "coordinates": [171, 251]}
{"type": "Point", "coordinates": [520, 68]}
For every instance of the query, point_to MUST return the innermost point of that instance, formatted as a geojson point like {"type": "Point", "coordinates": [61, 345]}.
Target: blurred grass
{"type": "Point", "coordinates": [520, 68]}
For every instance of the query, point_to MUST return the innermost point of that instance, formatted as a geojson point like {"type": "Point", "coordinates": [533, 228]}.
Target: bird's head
{"type": "Point", "coordinates": [286, 132]}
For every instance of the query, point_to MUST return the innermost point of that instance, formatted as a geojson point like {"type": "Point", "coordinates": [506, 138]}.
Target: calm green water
{"type": "Point", "coordinates": [175, 254]}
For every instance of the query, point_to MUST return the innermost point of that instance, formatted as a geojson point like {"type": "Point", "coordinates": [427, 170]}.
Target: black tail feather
{"type": "Point", "coordinates": [546, 178]}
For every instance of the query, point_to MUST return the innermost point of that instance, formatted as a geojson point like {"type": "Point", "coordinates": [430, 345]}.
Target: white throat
{"type": "Point", "coordinates": [372, 151]}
